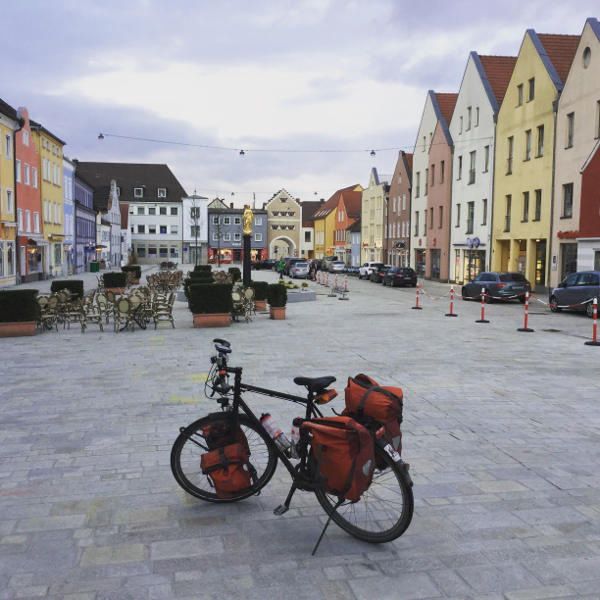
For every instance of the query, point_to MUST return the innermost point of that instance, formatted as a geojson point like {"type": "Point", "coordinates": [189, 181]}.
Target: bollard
{"type": "Point", "coordinates": [416, 306]}
{"type": "Point", "coordinates": [451, 313]}
{"type": "Point", "coordinates": [525, 328]}
{"type": "Point", "coordinates": [344, 294]}
{"type": "Point", "coordinates": [327, 280]}
{"type": "Point", "coordinates": [483, 319]}
{"type": "Point", "coordinates": [333, 290]}
{"type": "Point", "coordinates": [594, 341]}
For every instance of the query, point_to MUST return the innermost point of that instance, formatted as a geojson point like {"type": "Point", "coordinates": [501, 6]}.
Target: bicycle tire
{"type": "Point", "coordinates": [348, 514]}
{"type": "Point", "coordinates": [189, 446]}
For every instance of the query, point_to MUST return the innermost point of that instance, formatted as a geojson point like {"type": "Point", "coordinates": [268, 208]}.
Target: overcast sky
{"type": "Point", "coordinates": [284, 75]}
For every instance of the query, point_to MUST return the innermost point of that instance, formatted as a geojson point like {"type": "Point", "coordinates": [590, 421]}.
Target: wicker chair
{"type": "Point", "coordinates": [162, 310]}
{"type": "Point", "coordinates": [122, 315]}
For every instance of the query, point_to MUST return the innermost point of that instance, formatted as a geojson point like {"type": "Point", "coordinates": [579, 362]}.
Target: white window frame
{"type": "Point", "coordinates": [28, 221]}
{"type": "Point", "coordinates": [258, 237]}
{"type": "Point", "coordinates": [227, 237]}
{"type": "Point", "coordinates": [8, 145]}
{"type": "Point", "coordinates": [26, 174]}
{"type": "Point", "coordinates": [237, 237]}
{"type": "Point", "coordinates": [36, 222]}
{"type": "Point", "coordinates": [162, 192]}
{"type": "Point", "coordinates": [25, 137]}
{"type": "Point", "coordinates": [138, 192]}
{"type": "Point", "coordinates": [20, 219]}
{"type": "Point", "coordinates": [34, 177]}
{"type": "Point", "coordinates": [258, 220]}
{"type": "Point", "coordinates": [18, 170]}
{"type": "Point", "coordinates": [174, 229]}
{"type": "Point", "coordinates": [226, 220]}
{"type": "Point", "coordinates": [215, 237]}
{"type": "Point", "coordinates": [10, 204]}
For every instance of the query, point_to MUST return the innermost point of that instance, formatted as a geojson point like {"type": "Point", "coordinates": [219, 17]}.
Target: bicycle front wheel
{"type": "Point", "coordinates": [383, 512]}
{"type": "Point", "coordinates": [191, 444]}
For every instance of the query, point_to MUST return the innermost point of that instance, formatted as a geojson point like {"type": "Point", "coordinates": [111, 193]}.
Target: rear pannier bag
{"type": "Point", "coordinates": [221, 433]}
{"type": "Point", "coordinates": [344, 454]}
{"type": "Point", "coordinates": [367, 401]}
{"type": "Point", "coordinates": [228, 469]}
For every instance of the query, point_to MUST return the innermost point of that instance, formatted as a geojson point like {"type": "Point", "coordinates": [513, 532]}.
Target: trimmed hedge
{"type": "Point", "coordinates": [114, 280]}
{"type": "Point", "coordinates": [210, 298]}
{"type": "Point", "coordinates": [235, 273]}
{"type": "Point", "coordinates": [202, 268]}
{"type": "Point", "coordinates": [18, 306]}
{"type": "Point", "coordinates": [277, 295]}
{"type": "Point", "coordinates": [260, 289]}
{"type": "Point", "coordinates": [75, 286]}
{"type": "Point", "coordinates": [133, 269]}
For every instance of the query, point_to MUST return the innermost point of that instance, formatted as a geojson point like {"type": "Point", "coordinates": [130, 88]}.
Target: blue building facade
{"type": "Point", "coordinates": [85, 225]}
{"type": "Point", "coordinates": [68, 217]}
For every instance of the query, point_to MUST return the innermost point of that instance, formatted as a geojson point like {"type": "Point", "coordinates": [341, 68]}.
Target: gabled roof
{"type": "Point", "coordinates": [352, 201]}
{"type": "Point", "coordinates": [309, 208]}
{"type": "Point", "coordinates": [37, 126]}
{"type": "Point", "coordinates": [276, 194]}
{"type": "Point", "coordinates": [332, 202]}
{"type": "Point", "coordinates": [408, 158]}
{"type": "Point", "coordinates": [128, 176]}
{"type": "Point", "coordinates": [354, 227]}
{"type": "Point", "coordinates": [443, 106]}
{"type": "Point", "coordinates": [589, 159]}
{"type": "Point", "coordinates": [556, 52]}
{"type": "Point", "coordinates": [8, 110]}
{"type": "Point", "coordinates": [595, 25]}
{"type": "Point", "coordinates": [495, 72]}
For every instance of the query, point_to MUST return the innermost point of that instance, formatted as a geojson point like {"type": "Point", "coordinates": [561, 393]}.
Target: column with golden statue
{"type": "Point", "coordinates": [247, 236]}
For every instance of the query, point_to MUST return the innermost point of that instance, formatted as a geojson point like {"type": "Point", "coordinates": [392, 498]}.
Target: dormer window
{"type": "Point", "coordinates": [138, 192]}
{"type": "Point", "coordinates": [162, 192]}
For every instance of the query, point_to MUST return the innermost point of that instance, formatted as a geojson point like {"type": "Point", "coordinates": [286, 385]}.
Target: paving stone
{"type": "Point", "coordinates": [112, 554]}
{"type": "Point", "coordinates": [184, 548]}
{"type": "Point", "coordinates": [411, 586]}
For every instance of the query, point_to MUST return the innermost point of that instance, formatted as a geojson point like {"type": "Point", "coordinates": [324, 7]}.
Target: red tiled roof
{"type": "Point", "coordinates": [331, 203]}
{"type": "Point", "coordinates": [409, 160]}
{"type": "Point", "coordinates": [561, 51]}
{"type": "Point", "coordinates": [352, 202]}
{"type": "Point", "coordinates": [499, 71]}
{"type": "Point", "coordinates": [446, 102]}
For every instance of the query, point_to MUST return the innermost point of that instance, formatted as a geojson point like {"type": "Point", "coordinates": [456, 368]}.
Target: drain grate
{"type": "Point", "coordinates": [553, 330]}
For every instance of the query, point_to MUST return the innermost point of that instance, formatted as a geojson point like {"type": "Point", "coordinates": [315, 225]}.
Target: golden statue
{"type": "Point", "coordinates": [248, 218]}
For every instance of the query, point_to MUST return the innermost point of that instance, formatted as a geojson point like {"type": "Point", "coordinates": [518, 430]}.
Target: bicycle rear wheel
{"type": "Point", "coordinates": [191, 444]}
{"type": "Point", "coordinates": [383, 512]}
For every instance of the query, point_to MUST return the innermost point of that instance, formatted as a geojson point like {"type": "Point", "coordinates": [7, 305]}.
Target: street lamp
{"type": "Point", "coordinates": [195, 218]}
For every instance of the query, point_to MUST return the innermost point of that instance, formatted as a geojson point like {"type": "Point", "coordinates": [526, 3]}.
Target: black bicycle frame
{"type": "Point", "coordinates": [238, 387]}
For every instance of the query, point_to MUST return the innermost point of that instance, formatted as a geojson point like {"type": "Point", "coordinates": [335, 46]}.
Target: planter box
{"type": "Point", "coordinates": [115, 290]}
{"type": "Point", "coordinates": [277, 312]}
{"type": "Point", "coordinates": [260, 305]}
{"type": "Point", "coordinates": [212, 320]}
{"type": "Point", "coordinates": [17, 329]}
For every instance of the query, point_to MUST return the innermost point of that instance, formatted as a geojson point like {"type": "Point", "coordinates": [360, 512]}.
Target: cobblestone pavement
{"type": "Point", "coordinates": [501, 429]}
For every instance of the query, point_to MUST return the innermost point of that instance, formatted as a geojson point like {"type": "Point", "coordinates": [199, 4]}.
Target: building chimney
{"type": "Point", "coordinates": [322, 200]}
{"type": "Point", "coordinates": [231, 205]}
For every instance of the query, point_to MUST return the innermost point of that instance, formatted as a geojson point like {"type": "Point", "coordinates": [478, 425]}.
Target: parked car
{"type": "Point", "coordinates": [378, 274]}
{"type": "Point", "coordinates": [497, 286]}
{"type": "Point", "coordinates": [299, 270]}
{"type": "Point", "coordinates": [400, 276]}
{"type": "Point", "coordinates": [576, 288]}
{"type": "Point", "coordinates": [289, 261]}
{"type": "Point", "coordinates": [337, 266]}
{"type": "Point", "coordinates": [267, 263]}
{"type": "Point", "coordinates": [366, 270]}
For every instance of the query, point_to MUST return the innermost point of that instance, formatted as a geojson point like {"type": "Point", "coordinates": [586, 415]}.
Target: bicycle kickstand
{"type": "Point", "coordinates": [325, 528]}
{"type": "Point", "coordinates": [283, 508]}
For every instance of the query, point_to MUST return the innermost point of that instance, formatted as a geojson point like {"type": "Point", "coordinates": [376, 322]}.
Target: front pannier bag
{"type": "Point", "coordinates": [344, 454]}
{"type": "Point", "coordinates": [228, 469]}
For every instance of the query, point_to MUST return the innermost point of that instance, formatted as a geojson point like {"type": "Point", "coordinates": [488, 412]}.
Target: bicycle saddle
{"type": "Point", "coordinates": [315, 384]}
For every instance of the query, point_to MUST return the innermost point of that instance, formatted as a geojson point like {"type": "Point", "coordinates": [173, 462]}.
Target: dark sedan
{"type": "Point", "coordinates": [400, 276]}
{"type": "Point", "coordinates": [267, 263]}
{"type": "Point", "coordinates": [377, 274]}
{"type": "Point", "coordinates": [576, 292]}
{"type": "Point", "coordinates": [497, 286]}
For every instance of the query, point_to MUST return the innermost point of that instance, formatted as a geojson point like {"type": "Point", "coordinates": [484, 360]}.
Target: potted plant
{"type": "Point", "coordinates": [136, 270]}
{"type": "Point", "coordinates": [115, 282]}
{"type": "Point", "coordinates": [236, 274]}
{"type": "Point", "coordinates": [197, 276]}
{"type": "Point", "coordinates": [260, 294]}
{"type": "Point", "coordinates": [75, 286]}
{"type": "Point", "coordinates": [211, 304]}
{"type": "Point", "coordinates": [277, 295]}
{"type": "Point", "coordinates": [19, 312]}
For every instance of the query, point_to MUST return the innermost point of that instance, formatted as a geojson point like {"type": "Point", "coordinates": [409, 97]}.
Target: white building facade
{"type": "Point", "coordinates": [194, 229]}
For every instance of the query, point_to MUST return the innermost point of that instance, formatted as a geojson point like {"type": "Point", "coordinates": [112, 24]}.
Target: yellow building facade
{"type": "Point", "coordinates": [50, 150]}
{"type": "Point", "coordinates": [8, 212]}
{"type": "Point", "coordinates": [374, 200]}
{"type": "Point", "coordinates": [324, 224]}
{"type": "Point", "coordinates": [524, 159]}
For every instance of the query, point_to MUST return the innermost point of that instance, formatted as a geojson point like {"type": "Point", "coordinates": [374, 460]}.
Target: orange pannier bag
{"type": "Point", "coordinates": [227, 468]}
{"type": "Point", "coordinates": [344, 454]}
{"type": "Point", "coordinates": [221, 433]}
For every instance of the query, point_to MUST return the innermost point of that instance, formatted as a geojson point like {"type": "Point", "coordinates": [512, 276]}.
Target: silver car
{"type": "Point", "coordinates": [299, 270]}
{"type": "Point", "coordinates": [337, 266]}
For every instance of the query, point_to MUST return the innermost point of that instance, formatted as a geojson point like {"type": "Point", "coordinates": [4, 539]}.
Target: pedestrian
{"type": "Point", "coordinates": [280, 267]}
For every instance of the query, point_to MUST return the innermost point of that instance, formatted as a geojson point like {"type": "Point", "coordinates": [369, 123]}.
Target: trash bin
{"type": "Point", "coordinates": [94, 267]}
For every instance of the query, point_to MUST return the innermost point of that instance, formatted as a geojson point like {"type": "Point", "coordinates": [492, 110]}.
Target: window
{"type": "Point", "coordinates": [441, 217]}
{"type": "Point", "coordinates": [25, 137]}
{"type": "Point", "coordinates": [162, 210]}
{"type": "Point", "coordinates": [174, 251]}
{"type": "Point", "coordinates": [36, 222]}
{"type": "Point", "coordinates": [457, 215]}
{"type": "Point", "coordinates": [426, 181]}
{"type": "Point", "coordinates": [540, 141]}
{"type": "Point", "coordinates": [404, 199]}
{"type": "Point", "coordinates": [138, 192]}
{"type": "Point", "coordinates": [507, 213]}
{"type": "Point", "coordinates": [472, 159]}
{"type": "Point", "coordinates": [567, 210]}
{"type": "Point", "coordinates": [470, 216]}
{"type": "Point", "coordinates": [152, 210]}
{"type": "Point", "coordinates": [34, 180]}
{"type": "Point", "coordinates": [174, 210]}
{"type": "Point", "coordinates": [570, 130]}
{"type": "Point", "coordinates": [257, 220]}
{"type": "Point", "coordinates": [163, 252]}
{"type": "Point", "coordinates": [163, 229]}
{"type": "Point", "coordinates": [20, 218]}
{"type": "Point", "coordinates": [418, 185]}
{"type": "Point", "coordinates": [460, 125]}
{"type": "Point", "coordinates": [226, 220]}
{"type": "Point", "coordinates": [459, 168]}
{"type": "Point", "coordinates": [215, 237]}
{"type": "Point", "coordinates": [174, 229]}
{"type": "Point", "coordinates": [141, 229]}
{"type": "Point", "coordinates": [416, 223]}
{"type": "Point", "coordinates": [538, 205]}
{"type": "Point", "coordinates": [141, 251]}
{"type": "Point", "coordinates": [425, 222]}
{"type": "Point", "coordinates": [152, 229]}
{"type": "Point", "coordinates": [140, 210]}
{"type": "Point", "coordinates": [18, 169]}
{"type": "Point", "coordinates": [258, 237]}
{"type": "Point", "coordinates": [431, 218]}
{"type": "Point", "coordinates": [28, 220]}
{"type": "Point", "coordinates": [227, 237]}
{"type": "Point", "coordinates": [477, 116]}
{"type": "Point", "coordinates": [484, 219]}
{"type": "Point", "coordinates": [237, 237]}
{"type": "Point", "coordinates": [237, 220]}
{"type": "Point", "coordinates": [9, 202]}
{"type": "Point", "coordinates": [8, 145]}
{"type": "Point", "coordinates": [527, 145]}
{"type": "Point", "coordinates": [486, 159]}
{"type": "Point", "coordinates": [162, 192]}
{"type": "Point", "coordinates": [525, 207]}
{"type": "Point", "coordinates": [151, 251]}
{"type": "Point", "coordinates": [195, 231]}
{"type": "Point", "coordinates": [215, 220]}
{"type": "Point", "coordinates": [511, 144]}
{"type": "Point", "coordinates": [531, 94]}
{"type": "Point", "coordinates": [194, 212]}
{"type": "Point", "coordinates": [520, 94]}
{"type": "Point", "coordinates": [432, 174]}
{"type": "Point", "coordinates": [10, 258]}
{"type": "Point", "coordinates": [469, 110]}
{"type": "Point", "coordinates": [424, 142]}
{"type": "Point", "coordinates": [442, 169]}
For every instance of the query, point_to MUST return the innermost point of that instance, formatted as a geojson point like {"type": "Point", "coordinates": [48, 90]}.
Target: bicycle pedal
{"type": "Point", "coordinates": [281, 509]}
